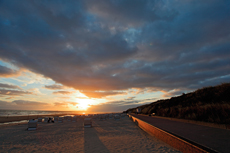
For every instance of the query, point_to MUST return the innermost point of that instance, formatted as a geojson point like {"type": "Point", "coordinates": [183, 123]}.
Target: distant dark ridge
{"type": "Point", "coordinates": [209, 104]}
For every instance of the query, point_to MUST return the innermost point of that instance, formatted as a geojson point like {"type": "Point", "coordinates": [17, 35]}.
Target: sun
{"type": "Point", "coordinates": [84, 104]}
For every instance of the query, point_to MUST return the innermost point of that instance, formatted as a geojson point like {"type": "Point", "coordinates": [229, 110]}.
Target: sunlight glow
{"type": "Point", "coordinates": [84, 104]}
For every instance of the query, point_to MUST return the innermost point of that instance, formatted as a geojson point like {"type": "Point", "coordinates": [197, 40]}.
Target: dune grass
{"type": "Point", "coordinates": [209, 104]}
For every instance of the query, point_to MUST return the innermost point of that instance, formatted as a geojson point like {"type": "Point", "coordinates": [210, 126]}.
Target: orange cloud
{"type": "Point", "coordinates": [63, 92]}
{"type": "Point", "coordinates": [100, 94]}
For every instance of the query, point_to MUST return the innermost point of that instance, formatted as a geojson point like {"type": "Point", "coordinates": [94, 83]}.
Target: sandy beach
{"type": "Point", "coordinates": [105, 136]}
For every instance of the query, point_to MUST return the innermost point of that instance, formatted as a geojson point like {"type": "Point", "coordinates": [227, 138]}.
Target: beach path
{"type": "Point", "coordinates": [215, 138]}
{"type": "Point", "coordinates": [105, 136]}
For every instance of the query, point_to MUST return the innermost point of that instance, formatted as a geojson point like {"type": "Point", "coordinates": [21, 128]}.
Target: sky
{"type": "Point", "coordinates": [109, 55]}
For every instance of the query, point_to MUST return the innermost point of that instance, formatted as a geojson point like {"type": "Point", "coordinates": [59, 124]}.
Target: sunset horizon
{"type": "Point", "coordinates": [109, 56]}
{"type": "Point", "coordinates": [109, 76]}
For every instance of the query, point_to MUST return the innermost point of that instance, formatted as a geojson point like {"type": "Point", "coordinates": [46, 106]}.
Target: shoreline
{"type": "Point", "coordinates": [6, 119]}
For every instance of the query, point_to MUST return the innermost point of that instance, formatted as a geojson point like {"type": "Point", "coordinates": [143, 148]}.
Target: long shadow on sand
{"type": "Point", "coordinates": [92, 143]}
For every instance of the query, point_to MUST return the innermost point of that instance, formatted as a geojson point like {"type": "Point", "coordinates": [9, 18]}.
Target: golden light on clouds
{"type": "Point", "coordinates": [84, 104]}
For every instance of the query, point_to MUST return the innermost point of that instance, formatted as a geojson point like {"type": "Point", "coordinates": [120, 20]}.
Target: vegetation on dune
{"type": "Point", "coordinates": [209, 104]}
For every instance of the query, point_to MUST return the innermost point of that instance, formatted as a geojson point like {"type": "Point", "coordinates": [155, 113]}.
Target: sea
{"type": "Point", "coordinates": [33, 112]}
{"type": "Point", "coordinates": [8, 113]}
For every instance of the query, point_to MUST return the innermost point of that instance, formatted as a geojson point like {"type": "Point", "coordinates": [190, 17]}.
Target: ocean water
{"type": "Point", "coordinates": [32, 112]}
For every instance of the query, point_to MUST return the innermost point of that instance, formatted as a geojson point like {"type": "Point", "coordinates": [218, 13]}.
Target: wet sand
{"type": "Point", "coordinates": [105, 136]}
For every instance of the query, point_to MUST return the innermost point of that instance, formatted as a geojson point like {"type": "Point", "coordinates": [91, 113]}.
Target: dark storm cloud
{"type": "Point", "coordinates": [109, 46]}
{"type": "Point", "coordinates": [131, 12]}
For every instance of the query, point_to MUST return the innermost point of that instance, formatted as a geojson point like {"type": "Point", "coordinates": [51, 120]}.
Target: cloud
{"type": "Point", "coordinates": [4, 92]}
{"type": "Point", "coordinates": [7, 72]}
{"type": "Point", "coordinates": [172, 93]}
{"type": "Point", "coordinates": [110, 46]}
{"type": "Point", "coordinates": [65, 104]}
{"type": "Point", "coordinates": [115, 106]}
{"type": "Point", "coordinates": [35, 105]}
{"type": "Point", "coordinates": [82, 97]}
{"type": "Point", "coordinates": [100, 94]}
{"type": "Point", "coordinates": [150, 99]}
{"type": "Point", "coordinates": [130, 98]}
{"type": "Point", "coordinates": [54, 87]}
{"type": "Point", "coordinates": [25, 104]}
{"type": "Point", "coordinates": [131, 12]}
{"type": "Point", "coordinates": [29, 103]}
{"type": "Point", "coordinates": [108, 108]}
{"type": "Point", "coordinates": [119, 105]}
{"type": "Point", "coordinates": [4, 104]}
{"type": "Point", "coordinates": [63, 92]}
{"type": "Point", "coordinates": [9, 86]}
{"type": "Point", "coordinates": [36, 91]}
